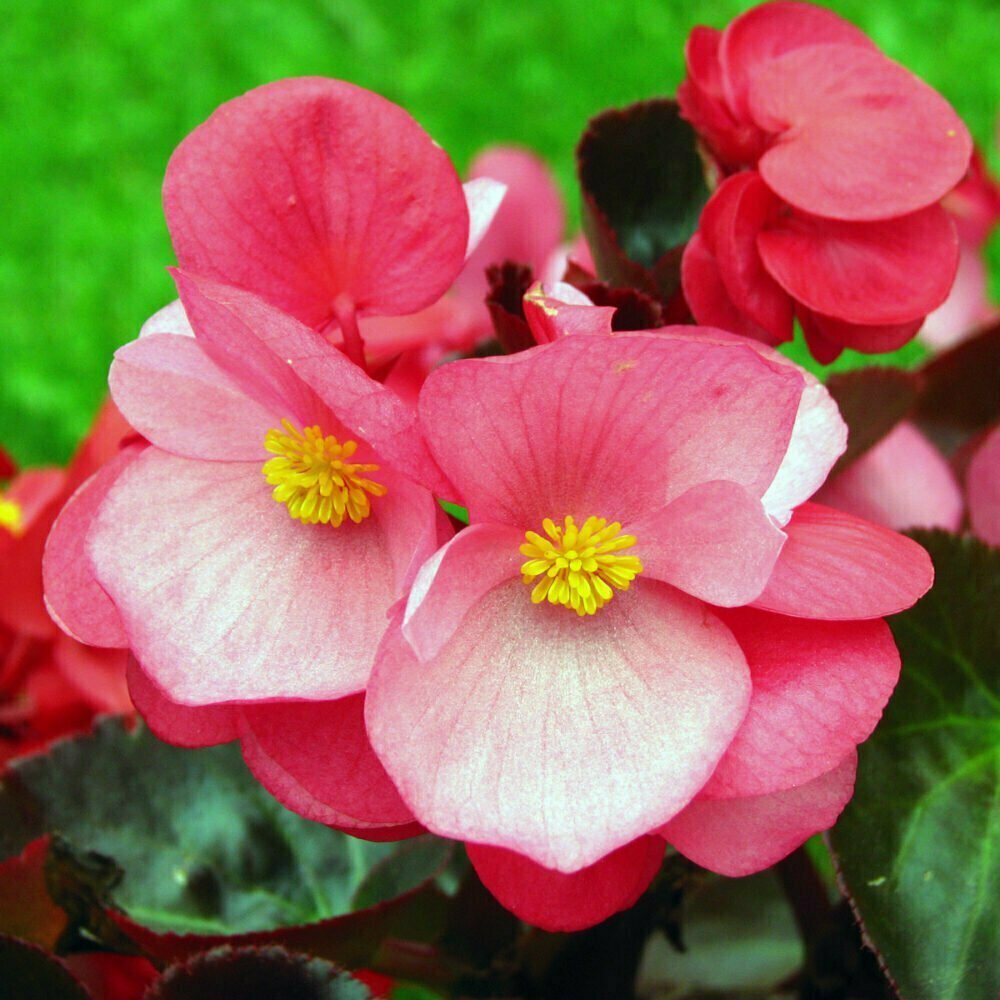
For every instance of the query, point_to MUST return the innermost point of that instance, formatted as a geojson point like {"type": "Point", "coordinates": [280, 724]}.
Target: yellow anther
{"type": "Point", "coordinates": [11, 515]}
{"type": "Point", "coordinates": [578, 568]}
{"type": "Point", "coordinates": [312, 476]}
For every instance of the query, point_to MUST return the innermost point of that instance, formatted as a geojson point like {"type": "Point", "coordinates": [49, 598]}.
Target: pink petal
{"type": "Point", "coordinates": [555, 901]}
{"type": "Point", "coordinates": [170, 319]}
{"type": "Point", "coordinates": [483, 197]}
{"type": "Point", "coordinates": [529, 223]}
{"type": "Point", "coordinates": [716, 542]}
{"type": "Point", "coordinates": [568, 428]}
{"type": "Point", "coordinates": [837, 567]}
{"type": "Point", "coordinates": [903, 482]}
{"type": "Point", "coordinates": [308, 190]}
{"type": "Point", "coordinates": [559, 310]}
{"type": "Point", "coordinates": [741, 836]}
{"type": "Point", "coordinates": [74, 598]}
{"type": "Point", "coordinates": [280, 362]}
{"type": "Point", "coordinates": [983, 483]}
{"type": "Point", "coordinates": [561, 738]}
{"type": "Point", "coordinates": [707, 296]}
{"type": "Point", "coordinates": [183, 402]}
{"type": "Point", "coordinates": [868, 273]}
{"type": "Point", "coordinates": [455, 579]}
{"type": "Point", "coordinates": [818, 690]}
{"type": "Point", "coordinates": [315, 758]}
{"type": "Point", "coordinates": [866, 338]}
{"type": "Point", "coordinates": [97, 675]}
{"type": "Point", "coordinates": [755, 39]}
{"type": "Point", "coordinates": [202, 563]}
{"type": "Point", "coordinates": [966, 307]}
{"type": "Point", "coordinates": [861, 138]}
{"type": "Point", "coordinates": [181, 725]}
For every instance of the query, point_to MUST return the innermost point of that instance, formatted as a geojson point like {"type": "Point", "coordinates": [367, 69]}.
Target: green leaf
{"type": "Point", "coordinates": [202, 847]}
{"type": "Point", "coordinates": [917, 847]}
{"type": "Point", "coordinates": [457, 512]}
{"type": "Point", "coordinates": [257, 972]}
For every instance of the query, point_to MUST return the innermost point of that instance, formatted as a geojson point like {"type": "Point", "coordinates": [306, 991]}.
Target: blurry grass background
{"type": "Point", "coordinates": [94, 95]}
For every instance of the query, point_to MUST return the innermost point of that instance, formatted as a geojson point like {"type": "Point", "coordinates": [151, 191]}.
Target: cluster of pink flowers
{"type": "Point", "coordinates": [648, 633]}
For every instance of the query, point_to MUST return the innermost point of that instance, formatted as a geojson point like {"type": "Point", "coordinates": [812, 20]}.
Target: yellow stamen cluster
{"type": "Point", "coordinates": [578, 567]}
{"type": "Point", "coordinates": [11, 515]}
{"type": "Point", "coordinates": [312, 476]}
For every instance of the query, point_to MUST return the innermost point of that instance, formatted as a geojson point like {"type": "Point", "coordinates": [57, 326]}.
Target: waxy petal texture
{"type": "Point", "coordinates": [556, 901]}
{"type": "Point", "coordinates": [741, 836]}
{"type": "Point", "coordinates": [309, 191]}
{"type": "Point", "coordinates": [983, 484]}
{"type": "Point", "coordinates": [818, 690]}
{"type": "Point", "coordinates": [558, 737]}
{"type": "Point", "coordinates": [835, 566]}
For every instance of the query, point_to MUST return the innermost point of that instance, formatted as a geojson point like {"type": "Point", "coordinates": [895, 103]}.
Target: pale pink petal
{"type": "Point", "coordinates": [741, 836]}
{"type": "Point", "coordinates": [554, 311]}
{"type": "Point", "coordinates": [226, 597]}
{"type": "Point", "coordinates": [754, 39]}
{"type": "Point", "coordinates": [983, 484]}
{"type": "Point", "coordinates": [835, 566]}
{"type": "Point", "coordinates": [181, 725]}
{"type": "Point", "coordinates": [74, 598]}
{"type": "Point", "coordinates": [455, 579]}
{"type": "Point", "coordinates": [902, 482]}
{"type": "Point", "coordinates": [867, 273]}
{"type": "Point", "coordinates": [315, 758]}
{"type": "Point", "coordinates": [306, 191]}
{"type": "Point", "coordinates": [861, 138]}
{"type": "Point", "coordinates": [529, 223]}
{"type": "Point", "coordinates": [606, 426]}
{"type": "Point", "coordinates": [483, 196]}
{"type": "Point", "coordinates": [966, 307]}
{"type": "Point", "coordinates": [450, 324]}
{"type": "Point", "coordinates": [555, 901]}
{"type": "Point", "coordinates": [173, 394]}
{"type": "Point", "coordinates": [818, 690]}
{"type": "Point", "coordinates": [170, 319]}
{"type": "Point", "coordinates": [559, 737]}
{"type": "Point", "coordinates": [278, 359]}
{"type": "Point", "coordinates": [716, 542]}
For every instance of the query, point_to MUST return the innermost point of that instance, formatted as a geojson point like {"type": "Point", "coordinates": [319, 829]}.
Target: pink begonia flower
{"type": "Point", "coordinates": [645, 632]}
{"type": "Point", "coordinates": [835, 160]}
{"type": "Point", "coordinates": [902, 482]}
{"type": "Point", "coordinates": [974, 206]}
{"type": "Point", "coordinates": [982, 482]}
{"type": "Point", "coordinates": [249, 554]}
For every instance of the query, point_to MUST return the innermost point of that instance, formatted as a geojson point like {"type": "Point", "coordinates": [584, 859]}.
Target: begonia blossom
{"type": "Point", "coordinates": [249, 553]}
{"type": "Point", "coordinates": [982, 483]}
{"type": "Point", "coordinates": [646, 632]}
{"type": "Point", "coordinates": [834, 161]}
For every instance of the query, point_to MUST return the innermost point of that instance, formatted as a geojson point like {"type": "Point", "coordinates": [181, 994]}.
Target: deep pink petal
{"type": "Point", "coordinates": [983, 483]}
{"type": "Point", "coordinates": [309, 190]}
{"type": "Point", "coordinates": [315, 758]}
{"type": "Point", "coordinates": [869, 273]}
{"type": "Point", "coordinates": [902, 482]}
{"type": "Point", "coordinates": [608, 427]}
{"type": "Point", "coordinates": [529, 223]}
{"type": "Point", "coordinates": [555, 901]}
{"type": "Point", "coordinates": [554, 311]}
{"type": "Point", "coordinates": [741, 836]}
{"type": "Point", "coordinates": [97, 675]}
{"type": "Point", "coordinates": [754, 39]}
{"type": "Point", "coordinates": [173, 394]}
{"type": "Point", "coordinates": [818, 690]}
{"type": "Point", "coordinates": [861, 138]}
{"type": "Point", "coordinates": [455, 580]}
{"type": "Point", "coordinates": [181, 725]}
{"type": "Point", "coordinates": [74, 598]}
{"type": "Point", "coordinates": [865, 338]}
{"type": "Point", "coordinates": [226, 597]}
{"type": "Point", "coordinates": [835, 566]}
{"type": "Point", "coordinates": [715, 542]}
{"type": "Point", "coordinates": [280, 362]}
{"type": "Point", "coordinates": [561, 738]}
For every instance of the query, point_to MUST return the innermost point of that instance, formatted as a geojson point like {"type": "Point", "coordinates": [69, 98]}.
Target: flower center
{"type": "Point", "coordinates": [11, 516]}
{"type": "Point", "coordinates": [312, 476]}
{"type": "Point", "coordinates": [578, 567]}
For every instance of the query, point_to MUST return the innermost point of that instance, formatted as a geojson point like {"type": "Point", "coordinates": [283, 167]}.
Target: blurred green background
{"type": "Point", "coordinates": [95, 94]}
